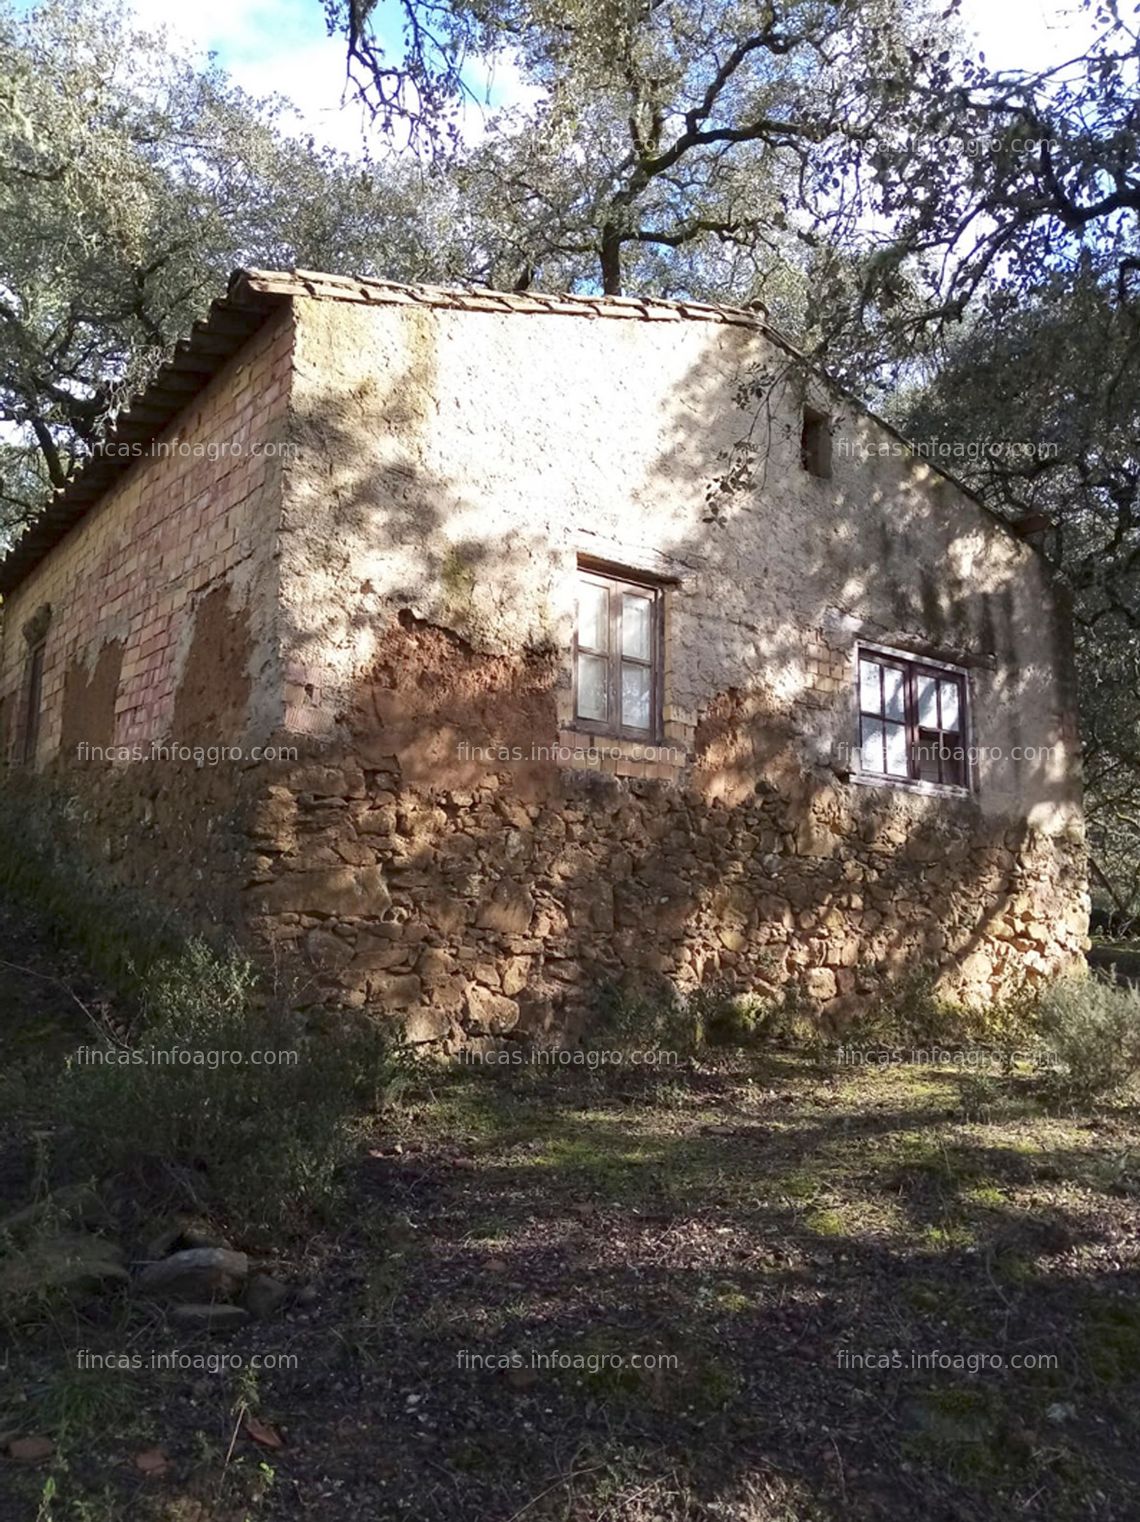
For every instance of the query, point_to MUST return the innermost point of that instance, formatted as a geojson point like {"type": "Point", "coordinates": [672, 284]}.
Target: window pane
{"type": "Point", "coordinates": [592, 686]}
{"type": "Point", "coordinates": [950, 706]}
{"type": "Point", "coordinates": [910, 732]}
{"type": "Point", "coordinates": [894, 693]}
{"type": "Point", "coordinates": [896, 751]}
{"type": "Point", "coordinates": [926, 754]}
{"type": "Point", "coordinates": [927, 702]}
{"type": "Point", "coordinates": [635, 690]}
{"type": "Point", "coordinates": [636, 628]}
{"type": "Point", "coordinates": [873, 759]}
{"type": "Point", "coordinates": [593, 616]}
{"type": "Point", "coordinates": [870, 700]}
{"type": "Point", "coordinates": [953, 762]}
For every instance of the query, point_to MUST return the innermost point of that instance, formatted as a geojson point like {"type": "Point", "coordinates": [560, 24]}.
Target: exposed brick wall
{"type": "Point", "coordinates": [136, 592]}
{"type": "Point", "coordinates": [828, 669]}
{"type": "Point", "coordinates": [136, 567]}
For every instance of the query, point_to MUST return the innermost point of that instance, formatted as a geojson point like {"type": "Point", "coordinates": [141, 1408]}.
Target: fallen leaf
{"type": "Point", "coordinates": [261, 1432]}
{"type": "Point", "coordinates": [151, 1461]}
{"type": "Point", "coordinates": [31, 1450]}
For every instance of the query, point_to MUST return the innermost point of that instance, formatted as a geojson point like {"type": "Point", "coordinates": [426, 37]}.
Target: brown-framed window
{"type": "Point", "coordinates": [618, 642]}
{"type": "Point", "coordinates": [33, 701]}
{"type": "Point", "coordinates": [912, 720]}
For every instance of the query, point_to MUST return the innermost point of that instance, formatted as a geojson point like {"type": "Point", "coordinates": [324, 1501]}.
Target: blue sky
{"type": "Point", "coordinates": [282, 47]}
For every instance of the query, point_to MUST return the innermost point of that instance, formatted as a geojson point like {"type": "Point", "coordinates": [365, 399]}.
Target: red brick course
{"type": "Point", "coordinates": [135, 567]}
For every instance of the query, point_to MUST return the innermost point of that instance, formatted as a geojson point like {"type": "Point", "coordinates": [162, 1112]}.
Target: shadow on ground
{"type": "Point", "coordinates": [754, 1289]}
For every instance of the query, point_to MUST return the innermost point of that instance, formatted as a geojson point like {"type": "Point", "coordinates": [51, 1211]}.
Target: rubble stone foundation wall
{"type": "Point", "coordinates": [497, 899]}
{"type": "Point", "coordinates": [477, 911]}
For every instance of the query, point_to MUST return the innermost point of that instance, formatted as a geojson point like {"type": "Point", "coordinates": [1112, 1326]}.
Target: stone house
{"type": "Point", "coordinates": [467, 650]}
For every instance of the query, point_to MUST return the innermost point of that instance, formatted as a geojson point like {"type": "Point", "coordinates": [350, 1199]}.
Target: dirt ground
{"type": "Point", "coordinates": [757, 1288]}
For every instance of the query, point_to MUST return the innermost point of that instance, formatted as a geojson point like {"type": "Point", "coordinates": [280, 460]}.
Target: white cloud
{"type": "Point", "coordinates": [280, 49]}
{"type": "Point", "coordinates": [1027, 34]}
{"type": "Point", "coordinates": [283, 48]}
{"type": "Point", "coordinates": [312, 77]}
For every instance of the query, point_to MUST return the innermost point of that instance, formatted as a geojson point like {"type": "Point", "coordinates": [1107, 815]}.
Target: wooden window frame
{"type": "Point", "coordinates": [911, 668]}
{"type": "Point", "coordinates": [617, 584]}
{"type": "Point", "coordinates": [33, 701]}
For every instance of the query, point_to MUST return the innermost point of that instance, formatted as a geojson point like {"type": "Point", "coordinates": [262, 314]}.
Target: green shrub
{"type": "Point", "coordinates": [1089, 1034]}
{"type": "Point", "coordinates": [912, 1012]}
{"type": "Point", "coordinates": [728, 1018]}
{"type": "Point", "coordinates": [908, 1012]}
{"type": "Point", "coordinates": [711, 1014]}
{"type": "Point", "coordinates": [119, 932]}
{"type": "Point", "coordinates": [791, 1020]}
{"type": "Point", "coordinates": [234, 1099]}
{"type": "Point", "coordinates": [979, 1096]}
{"type": "Point", "coordinates": [262, 1141]}
{"type": "Point", "coordinates": [658, 1021]}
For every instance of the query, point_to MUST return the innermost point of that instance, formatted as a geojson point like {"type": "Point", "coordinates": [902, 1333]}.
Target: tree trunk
{"type": "Point", "coordinates": [611, 260]}
{"type": "Point", "coordinates": [56, 473]}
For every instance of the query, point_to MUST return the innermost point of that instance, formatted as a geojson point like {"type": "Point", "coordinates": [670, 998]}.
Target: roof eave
{"type": "Point", "coordinates": [195, 361]}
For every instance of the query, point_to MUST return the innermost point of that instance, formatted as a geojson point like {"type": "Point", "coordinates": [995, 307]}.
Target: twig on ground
{"type": "Point", "coordinates": [565, 1479]}
{"type": "Point", "coordinates": [47, 977]}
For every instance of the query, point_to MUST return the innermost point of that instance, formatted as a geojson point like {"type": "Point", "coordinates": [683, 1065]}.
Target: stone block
{"type": "Point", "coordinates": [329, 781]}
{"type": "Point", "coordinates": [510, 909]}
{"type": "Point", "coordinates": [490, 1013]}
{"type": "Point", "coordinates": [821, 984]}
{"type": "Point", "coordinates": [426, 1023]}
{"type": "Point", "coordinates": [395, 991]}
{"type": "Point", "coordinates": [354, 892]}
